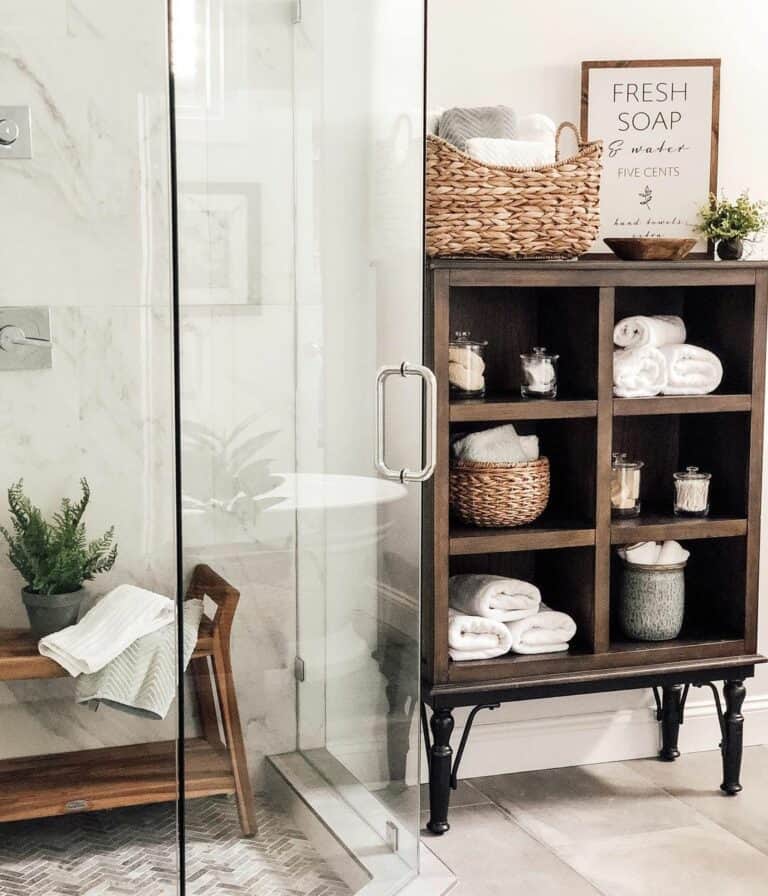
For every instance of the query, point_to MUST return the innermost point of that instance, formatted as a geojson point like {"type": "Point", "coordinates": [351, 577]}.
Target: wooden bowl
{"type": "Point", "coordinates": [650, 248]}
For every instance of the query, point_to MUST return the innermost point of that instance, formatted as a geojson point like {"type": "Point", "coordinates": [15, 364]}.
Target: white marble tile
{"type": "Point", "coordinates": [138, 20]}
{"type": "Point", "coordinates": [34, 16]}
{"type": "Point", "coordinates": [105, 411]}
{"type": "Point", "coordinates": [90, 222]}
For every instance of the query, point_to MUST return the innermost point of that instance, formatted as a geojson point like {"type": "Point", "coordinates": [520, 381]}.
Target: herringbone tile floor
{"type": "Point", "coordinates": [132, 852]}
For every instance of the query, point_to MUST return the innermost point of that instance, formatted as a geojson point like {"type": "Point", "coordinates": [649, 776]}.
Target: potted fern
{"type": "Point", "coordinates": [54, 558]}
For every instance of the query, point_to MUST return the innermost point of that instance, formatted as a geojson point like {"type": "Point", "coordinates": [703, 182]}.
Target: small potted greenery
{"type": "Point", "coordinates": [54, 558]}
{"type": "Point", "coordinates": [730, 223]}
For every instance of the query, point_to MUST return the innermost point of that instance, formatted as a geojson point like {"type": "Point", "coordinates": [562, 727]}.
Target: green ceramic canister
{"type": "Point", "coordinates": [652, 602]}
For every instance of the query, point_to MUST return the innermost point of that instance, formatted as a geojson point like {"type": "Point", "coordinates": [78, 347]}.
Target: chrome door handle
{"type": "Point", "coordinates": [406, 475]}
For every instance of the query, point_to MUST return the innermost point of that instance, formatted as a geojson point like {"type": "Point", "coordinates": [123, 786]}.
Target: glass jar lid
{"type": "Point", "coordinates": [539, 353]}
{"type": "Point", "coordinates": [620, 462]}
{"type": "Point", "coordinates": [692, 473]}
{"type": "Point", "coordinates": [461, 340]}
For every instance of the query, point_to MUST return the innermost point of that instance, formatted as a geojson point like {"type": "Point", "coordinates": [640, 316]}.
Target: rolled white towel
{"type": "Point", "coordinates": [511, 153]}
{"type": "Point", "coordinates": [691, 370]}
{"type": "Point", "coordinates": [501, 445]}
{"type": "Point", "coordinates": [493, 597]}
{"type": "Point", "coordinates": [672, 552]}
{"type": "Point", "coordinates": [639, 372]}
{"type": "Point", "coordinates": [121, 617]}
{"type": "Point", "coordinates": [645, 553]}
{"type": "Point", "coordinates": [476, 638]}
{"type": "Point", "coordinates": [549, 631]}
{"type": "Point", "coordinates": [661, 329]}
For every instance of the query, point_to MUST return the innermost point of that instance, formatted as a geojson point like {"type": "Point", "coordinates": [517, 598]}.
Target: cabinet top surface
{"type": "Point", "coordinates": [593, 263]}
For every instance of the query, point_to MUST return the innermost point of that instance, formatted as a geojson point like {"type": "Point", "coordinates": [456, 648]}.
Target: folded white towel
{"type": "Point", "coordinates": [661, 329]}
{"type": "Point", "coordinates": [538, 127]}
{"type": "Point", "coordinates": [639, 372]}
{"type": "Point", "coordinates": [547, 632]}
{"type": "Point", "coordinates": [672, 552]}
{"type": "Point", "coordinates": [511, 153]}
{"type": "Point", "coordinates": [476, 638]}
{"type": "Point", "coordinates": [691, 370]}
{"type": "Point", "coordinates": [116, 621]}
{"type": "Point", "coordinates": [501, 445]}
{"type": "Point", "coordinates": [493, 597]}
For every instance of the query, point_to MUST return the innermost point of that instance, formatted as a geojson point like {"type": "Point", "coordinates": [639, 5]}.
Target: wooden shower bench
{"type": "Point", "coordinates": [138, 774]}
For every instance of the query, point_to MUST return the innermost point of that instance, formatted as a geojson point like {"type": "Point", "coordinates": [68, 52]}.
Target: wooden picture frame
{"type": "Point", "coordinates": [667, 225]}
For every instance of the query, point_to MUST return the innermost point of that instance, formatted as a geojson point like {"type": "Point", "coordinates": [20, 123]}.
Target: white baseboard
{"type": "Point", "coordinates": [497, 748]}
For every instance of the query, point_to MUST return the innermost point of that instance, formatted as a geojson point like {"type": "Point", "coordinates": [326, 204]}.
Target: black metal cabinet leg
{"type": "Point", "coordinates": [440, 761]}
{"type": "Point", "coordinates": [671, 717]}
{"type": "Point", "coordinates": [733, 736]}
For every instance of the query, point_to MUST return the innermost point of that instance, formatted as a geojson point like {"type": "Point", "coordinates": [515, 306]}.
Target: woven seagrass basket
{"type": "Point", "coordinates": [475, 208]}
{"type": "Point", "coordinates": [490, 494]}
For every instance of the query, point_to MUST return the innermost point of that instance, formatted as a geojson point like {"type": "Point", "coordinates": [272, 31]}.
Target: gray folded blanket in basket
{"type": "Point", "coordinates": [459, 125]}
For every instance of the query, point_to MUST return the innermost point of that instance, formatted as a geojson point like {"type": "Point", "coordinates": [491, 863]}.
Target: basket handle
{"type": "Point", "coordinates": [577, 134]}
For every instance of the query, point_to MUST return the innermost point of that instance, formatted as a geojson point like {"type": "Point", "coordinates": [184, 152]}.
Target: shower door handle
{"type": "Point", "coordinates": [406, 475]}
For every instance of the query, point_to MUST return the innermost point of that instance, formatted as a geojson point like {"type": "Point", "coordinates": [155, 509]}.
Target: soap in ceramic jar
{"type": "Point", "coordinates": [539, 374]}
{"type": "Point", "coordinates": [466, 366]}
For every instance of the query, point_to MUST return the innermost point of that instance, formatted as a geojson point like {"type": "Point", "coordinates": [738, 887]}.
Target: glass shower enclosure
{"type": "Point", "coordinates": [299, 148]}
{"type": "Point", "coordinates": [215, 261]}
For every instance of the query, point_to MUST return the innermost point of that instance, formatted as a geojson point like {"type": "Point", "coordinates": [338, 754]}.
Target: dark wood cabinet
{"type": "Point", "coordinates": [571, 308]}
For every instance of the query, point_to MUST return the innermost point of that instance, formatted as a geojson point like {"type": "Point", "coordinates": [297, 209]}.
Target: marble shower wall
{"type": "Point", "coordinates": [240, 334]}
{"type": "Point", "coordinates": [86, 232]}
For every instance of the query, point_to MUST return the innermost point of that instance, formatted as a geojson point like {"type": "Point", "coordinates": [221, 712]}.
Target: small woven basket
{"type": "Point", "coordinates": [474, 208]}
{"type": "Point", "coordinates": [489, 494]}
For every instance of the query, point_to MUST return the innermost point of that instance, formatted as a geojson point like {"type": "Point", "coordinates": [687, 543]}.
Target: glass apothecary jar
{"type": "Point", "coordinates": [625, 486]}
{"type": "Point", "coordinates": [466, 365]}
{"type": "Point", "coordinates": [539, 369]}
{"type": "Point", "coordinates": [692, 492]}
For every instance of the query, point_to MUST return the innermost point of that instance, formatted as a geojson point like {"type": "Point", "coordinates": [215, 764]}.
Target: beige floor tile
{"type": "Point", "coordinates": [705, 861]}
{"type": "Point", "coordinates": [405, 802]}
{"type": "Point", "coordinates": [695, 779]}
{"type": "Point", "coordinates": [569, 805]}
{"type": "Point", "coordinates": [492, 856]}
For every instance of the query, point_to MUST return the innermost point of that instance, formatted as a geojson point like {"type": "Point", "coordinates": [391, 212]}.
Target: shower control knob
{"type": "Point", "coordinates": [9, 132]}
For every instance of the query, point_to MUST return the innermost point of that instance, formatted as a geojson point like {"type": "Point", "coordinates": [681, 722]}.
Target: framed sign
{"type": "Point", "coordinates": [659, 122]}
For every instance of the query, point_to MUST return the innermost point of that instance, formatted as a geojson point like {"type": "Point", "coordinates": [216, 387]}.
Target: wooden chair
{"type": "Point", "coordinates": [138, 774]}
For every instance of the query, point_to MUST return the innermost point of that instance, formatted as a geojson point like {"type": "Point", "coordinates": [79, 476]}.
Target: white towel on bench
{"type": "Point", "coordinates": [116, 621]}
{"type": "Point", "coordinates": [547, 632]}
{"type": "Point", "coordinates": [476, 638]}
{"type": "Point", "coordinates": [493, 597]}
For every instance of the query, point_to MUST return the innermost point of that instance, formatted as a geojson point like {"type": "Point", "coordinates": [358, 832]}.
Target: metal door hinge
{"type": "Point", "coordinates": [393, 836]}
{"type": "Point", "coordinates": [298, 669]}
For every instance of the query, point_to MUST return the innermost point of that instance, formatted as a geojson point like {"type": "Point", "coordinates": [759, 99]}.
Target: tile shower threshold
{"type": "Point", "coordinates": [341, 818]}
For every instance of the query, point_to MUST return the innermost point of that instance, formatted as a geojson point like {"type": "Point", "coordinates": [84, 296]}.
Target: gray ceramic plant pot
{"type": "Point", "coordinates": [49, 613]}
{"type": "Point", "coordinates": [652, 603]}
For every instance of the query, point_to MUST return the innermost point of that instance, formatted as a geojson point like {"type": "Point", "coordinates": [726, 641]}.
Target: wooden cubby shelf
{"type": "Point", "coordinates": [502, 408]}
{"type": "Point", "coordinates": [570, 552]}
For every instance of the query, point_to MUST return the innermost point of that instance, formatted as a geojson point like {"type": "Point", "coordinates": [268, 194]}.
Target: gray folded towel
{"type": "Point", "coordinates": [142, 679]}
{"type": "Point", "coordinates": [459, 125]}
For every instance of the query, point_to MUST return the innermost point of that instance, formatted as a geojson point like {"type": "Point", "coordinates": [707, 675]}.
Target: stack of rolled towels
{"type": "Point", "coordinates": [495, 136]}
{"type": "Point", "coordinates": [492, 615]}
{"type": "Point", "coordinates": [500, 445]}
{"type": "Point", "coordinates": [653, 358]}
{"type": "Point", "coordinates": [654, 553]}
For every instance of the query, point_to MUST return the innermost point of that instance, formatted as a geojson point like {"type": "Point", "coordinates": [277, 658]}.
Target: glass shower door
{"type": "Point", "coordinates": [358, 137]}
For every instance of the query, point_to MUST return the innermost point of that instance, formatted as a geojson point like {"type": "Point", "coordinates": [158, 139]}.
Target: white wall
{"type": "Point", "coordinates": [85, 230]}
{"type": "Point", "coordinates": [528, 56]}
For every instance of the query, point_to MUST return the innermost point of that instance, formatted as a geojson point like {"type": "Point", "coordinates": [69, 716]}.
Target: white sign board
{"type": "Point", "coordinates": [658, 122]}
